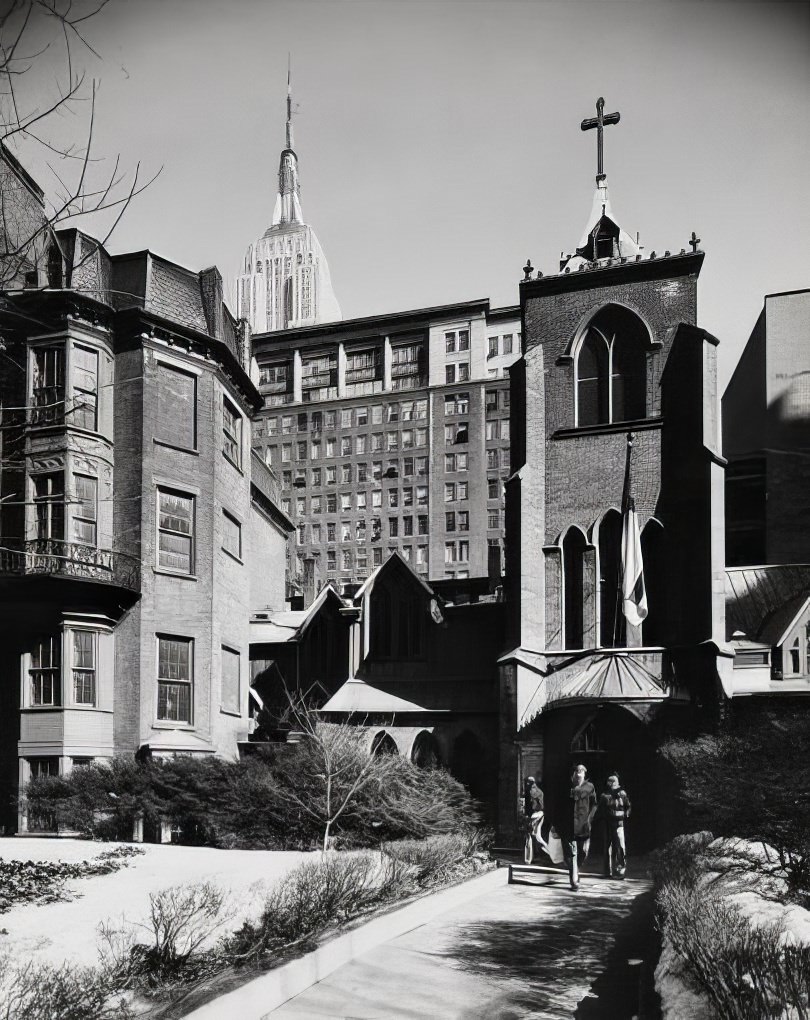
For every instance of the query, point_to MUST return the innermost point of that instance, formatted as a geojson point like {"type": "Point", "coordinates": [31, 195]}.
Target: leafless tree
{"type": "Point", "coordinates": [42, 79]}
{"type": "Point", "coordinates": [335, 767]}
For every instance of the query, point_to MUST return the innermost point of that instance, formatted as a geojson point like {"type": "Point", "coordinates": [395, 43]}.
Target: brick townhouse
{"type": "Point", "coordinates": [137, 528]}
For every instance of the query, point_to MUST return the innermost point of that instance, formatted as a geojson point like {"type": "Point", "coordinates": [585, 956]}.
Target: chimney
{"type": "Point", "coordinates": [309, 581]}
{"type": "Point", "coordinates": [494, 566]}
{"type": "Point", "coordinates": [211, 290]}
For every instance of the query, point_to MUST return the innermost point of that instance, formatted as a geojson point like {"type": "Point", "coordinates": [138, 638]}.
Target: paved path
{"type": "Point", "coordinates": [526, 950]}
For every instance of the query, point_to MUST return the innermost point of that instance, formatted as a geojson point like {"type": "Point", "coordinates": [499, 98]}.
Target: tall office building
{"type": "Point", "coordinates": [391, 432]}
{"type": "Point", "coordinates": [285, 280]}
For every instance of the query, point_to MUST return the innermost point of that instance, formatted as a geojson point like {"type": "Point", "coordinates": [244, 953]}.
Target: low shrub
{"type": "Point", "coordinates": [44, 881]}
{"type": "Point", "coordinates": [277, 799]}
{"type": "Point", "coordinates": [439, 858]}
{"type": "Point", "coordinates": [747, 972]}
{"type": "Point", "coordinates": [44, 992]}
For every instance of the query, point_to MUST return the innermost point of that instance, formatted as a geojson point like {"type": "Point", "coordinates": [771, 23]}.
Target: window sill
{"type": "Point", "coordinates": [228, 711]}
{"type": "Point", "coordinates": [165, 724]}
{"type": "Point", "coordinates": [233, 463]}
{"type": "Point", "coordinates": [166, 572]}
{"type": "Point", "coordinates": [607, 428]}
{"type": "Point", "coordinates": [172, 446]}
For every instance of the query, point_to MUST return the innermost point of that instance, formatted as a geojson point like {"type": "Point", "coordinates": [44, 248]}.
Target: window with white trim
{"type": "Point", "coordinates": [231, 535]}
{"type": "Point", "coordinates": [231, 692]}
{"type": "Point", "coordinates": [232, 433]}
{"type": "Point", "coordinates": [85, 510]}
{"type": "Point", "coordinates": [175, 531]}
{"type": "Point", "coordinates": [84, 667]}
{"type": "Point", "coordinates": [175, 679]}
{"type": "Point", "coordinates": [44, 672]}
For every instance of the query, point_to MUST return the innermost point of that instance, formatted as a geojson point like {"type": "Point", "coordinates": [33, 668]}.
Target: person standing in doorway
{"type": "Point", "coordinates": [613, 811]}
{"type": "Point", "coordinates": [576, 813]}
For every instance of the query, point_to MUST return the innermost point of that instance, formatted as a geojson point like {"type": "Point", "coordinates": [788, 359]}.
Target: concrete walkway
{"type": "Point", "coordinates": [533, 949]}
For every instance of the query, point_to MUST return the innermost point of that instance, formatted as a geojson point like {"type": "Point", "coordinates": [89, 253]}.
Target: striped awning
{"type": "Point", "coordinates": [600, 677]}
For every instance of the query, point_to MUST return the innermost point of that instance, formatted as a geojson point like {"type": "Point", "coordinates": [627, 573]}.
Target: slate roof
{"type": "Point", "coordinates": [762, 602]}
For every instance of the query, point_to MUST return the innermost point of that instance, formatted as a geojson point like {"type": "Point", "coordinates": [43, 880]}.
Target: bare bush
{"type": "Point", "coordinates": [747, 971]}
{"type": "Point", "coordinates": [43, 992]}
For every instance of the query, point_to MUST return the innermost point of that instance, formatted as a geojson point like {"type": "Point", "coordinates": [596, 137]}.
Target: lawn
{"type": "Point", "coordinates": [67, 931]}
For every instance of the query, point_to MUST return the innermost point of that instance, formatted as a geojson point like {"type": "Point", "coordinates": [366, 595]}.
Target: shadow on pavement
{"type": "Point", "coordinates": [543, 967]}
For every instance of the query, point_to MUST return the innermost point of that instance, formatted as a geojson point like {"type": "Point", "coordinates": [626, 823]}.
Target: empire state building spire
{"type": "Point", "coordinates": [288, 201]}
{"type": "Point", "coordinates": [285, 281]}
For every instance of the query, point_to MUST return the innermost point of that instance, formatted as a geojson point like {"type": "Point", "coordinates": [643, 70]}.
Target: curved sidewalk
{"type": "Point", "coordinates": [532, 949]}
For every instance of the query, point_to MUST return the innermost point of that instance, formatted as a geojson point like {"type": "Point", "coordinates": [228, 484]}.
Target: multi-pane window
{"type": "Point", "coordinates": [84, 667]}
{"type": "Point", "coordinates": [421, 465]}
{"type": "Point", "coordinates": [316, 534]}
{"type": "Point", "coordinates": [272, 426]}
{"type": "Point", "coordinates": [362, 500]}
{"type": "Point", "coordinates": [449, 373]}
{"type": "Point", "coordinates": [231, 693]}
{"type": "Point", "coordinates": [507, 343]}
{"type": "Point", "coordinates": [176, 418]}
{"type": "Point", "coordinates": [231, 535]}
{"type": "Point", "coordinates": [376, 442]}
{"type": "Point", "coordinates": [393, 527]}
{"type": "Point", "coordinates": [493, 429]}
{"type": "Point", "coordinates": [330, 419]}
{"type": "Point", "coordinates": [449, 492]}
{"type": "Point", "coordinates": [450, 552]}
{"type": "Point", "coordinates": [391, 441]}
{"type": "Point", "coordinates": [85, 388]}
{"type": "Point", "coordinates": [491, 403]}
{"type": "Point", "coordinates": [463, 520]}
{"type": "Point", "coordinates": [345, 501]}
{"type": "Point", "coordinates": [85, 512]}
{"type": "Point", "coordinates": [421, 495]}
{"type": "Point", "coordinates": [315, 450]}
{"type": "Point", "coordinates": [315, 474]}
{"type": "Point", "coordinates": [360, 531]}
{"type": "Point", "coordinates": [175, 531]}
{"type": "Point", "coordinates": [376, 556]}
{"type": "Point", "coordinates": [407, 439]}
{"type": "Point", "coordinates": [43, 673]}
{"type": "Point", "coordinates": [393, 498]}
{"type": "Point", "coordinates": [301, 505]}
{"type": "Point", "coordinates": [450, 343]}
{"type": "Point", "coordinates": [407, 467]}
{"type": "Point", "coordinates": [48, 393]}
{"type": "Point", "coordinates": [302, 421]}
{"type": "Point", "coordinates": [330, 446]}
{"type": "Point", "coordinates": [286, 453]}
{"type": "Point", "coordinates": [49, 501]}
{"type": "Point", "coordinates": [376, 499]}
{"type": "Point", "coordinates": [345, 531]}
{"type": "Point", "coordinates": [331, 503]}
{"type": "Point", "coordinates": [362, 472]}
{"type": "Point", "coordinates": [493, 488]}
{"type": "Point", "coordinates": [361, 416]}
{"type": "Point", "coordinates": [493, 518]}
{"type": "Point", "coordinates": [360, 444]}
{"type": "Point", "coordinates": [377, 414]}
{"type": "Point", "coordinates": [317, 504]}
{"type": "Point", "coordinates": [331, 474]}
{"type": "Point", "coordinates": [407, 526]}
{"type": "Point", "coordinates": [461, 490]}
{"type": "Point", "coordinates": [492, 347]}
{"type": "Point", "coordinates": [420, 437]}
{"type": "Point", "coordinates": [175, 679]}
{"type": "Point", "coordinates": [346, 418]}
{"type": "Point", "coordinates": [331, 560]}
{"type": "Point", "coordinates": [422, 524]}
{"type": "Point", "coordinates": [463, 371]}
{"type": "Point", "coordinates": [345, 446]}
{"type": "Point", "coordinates": [463, 551]}
{"type": "Point", "coordinates": [492, 459]}
{"type": "Point", "coordinates": [504, 428]}
{"type": "Point", "coordinates": [317, 421]}
{"type": "Point", "coordinates": [346, 559]}
{"type": "Point", "coordinates": [286, 424]}
{"type": "Point", "coordinates": [376, 469]}
{"type": "Point", "coordinates": [407, 496]}
{"type": "Point", "coordinates": [421, 555]}
{"type": "Point", "coordinates": [301, 449]}
{"type": "Point", "coordinates": [450, 522]}
{"type": "Point", "coordinates": [331, 530]}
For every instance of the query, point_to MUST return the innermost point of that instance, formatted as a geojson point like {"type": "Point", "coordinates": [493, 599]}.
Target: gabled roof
{"type": "Point", "coordinates": [763, 602]}
{"type": "Point", "coordinates": [289, 625]}
{"type": "Point", "coordinates": [388, 565]}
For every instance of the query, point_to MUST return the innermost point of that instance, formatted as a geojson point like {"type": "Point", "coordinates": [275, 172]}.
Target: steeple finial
{"type": "Point", "coordinates": [599, 122]}
{"type": "Point", "coordinates": [290, 144]}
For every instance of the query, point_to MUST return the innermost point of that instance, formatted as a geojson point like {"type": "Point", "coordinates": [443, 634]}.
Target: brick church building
{"type": "Point", "coordinates": [613, 399]}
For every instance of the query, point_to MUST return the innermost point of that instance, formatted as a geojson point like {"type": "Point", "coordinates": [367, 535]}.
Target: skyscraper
{"type": "Point", "coordinates": [285, 280]}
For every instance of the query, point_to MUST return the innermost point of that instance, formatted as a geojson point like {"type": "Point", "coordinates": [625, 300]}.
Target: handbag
{"type": "Point", "coordinates": [554, 848]}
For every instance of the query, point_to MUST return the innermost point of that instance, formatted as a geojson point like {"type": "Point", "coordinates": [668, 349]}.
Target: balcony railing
{"type": "Point", "coordinates": [69, 559]}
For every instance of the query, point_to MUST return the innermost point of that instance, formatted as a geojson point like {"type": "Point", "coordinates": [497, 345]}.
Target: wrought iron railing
{"type": "Point", "coordinates": [69, 559]}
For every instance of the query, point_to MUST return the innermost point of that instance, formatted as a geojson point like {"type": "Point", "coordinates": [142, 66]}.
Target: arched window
{"type": "Point", "coordinates": [425, 751]}
{"type": "Point", "coordinates": [573, 570]}
{"type": "Point", "coordinates": [384, 743]}
{"type": "Point", "coordinates": [611, 617]}
{"type": "Point", "coordinates": [611, 368]}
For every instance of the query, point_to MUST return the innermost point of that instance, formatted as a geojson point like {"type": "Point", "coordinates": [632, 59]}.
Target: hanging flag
{"type": "Point", "coordinates": [634, 595]}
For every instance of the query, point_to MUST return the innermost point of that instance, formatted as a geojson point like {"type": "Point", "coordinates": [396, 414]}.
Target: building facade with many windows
{"type": "Point", "coordinates": [391, 433]}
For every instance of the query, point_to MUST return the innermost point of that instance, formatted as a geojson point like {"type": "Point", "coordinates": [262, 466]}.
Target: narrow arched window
{"type": "Point", "coordinates": [611, 368]}
{"type": "Point", "coordinates": [573, 571]}
{"type": "Point", "coordinates": [653, 555]}
{"type": "Point", "coordinates": [611, 617]}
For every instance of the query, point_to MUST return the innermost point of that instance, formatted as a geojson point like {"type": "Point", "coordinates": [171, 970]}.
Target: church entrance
{"type": "Point", "coordinates": [605, 739]}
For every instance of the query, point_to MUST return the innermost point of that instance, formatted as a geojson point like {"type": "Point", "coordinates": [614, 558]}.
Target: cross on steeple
{"type": "Point", "coordinates": [694, 241]}
{"type": "Point", "coordinates": [599, 122]}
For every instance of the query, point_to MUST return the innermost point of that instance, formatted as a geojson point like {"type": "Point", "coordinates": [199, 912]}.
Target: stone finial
{"type": "Point", "coordinates": [694, 241]}
{"type": "Point", "coordinates": [527, 269]}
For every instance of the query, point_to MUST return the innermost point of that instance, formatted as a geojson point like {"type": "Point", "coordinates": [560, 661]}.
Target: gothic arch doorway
{"type": "Point", "coordinates": [605, 739]}
{"type": "Point", "coordinates": [467, 764]}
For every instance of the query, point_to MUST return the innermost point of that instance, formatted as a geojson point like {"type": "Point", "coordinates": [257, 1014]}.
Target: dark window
{"type": "Point", "coordinates": [44, 671]}
{"type": "Point", "coordinates": [611, 369]}
{"type": "Point", "coordinates": [611, 615]}
{"type": "Point", "coordinates": [48, 390]}
{"type": "Point", "coordinates": [573, 568]}
{"type": "Point", "coordinates": [49, 501]}
{"type": "Point", "coordinates": [85, 388]}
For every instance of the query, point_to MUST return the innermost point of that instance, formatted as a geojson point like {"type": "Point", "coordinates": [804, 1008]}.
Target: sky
{"type": "Point", "coordinates": [439, 144]}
